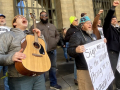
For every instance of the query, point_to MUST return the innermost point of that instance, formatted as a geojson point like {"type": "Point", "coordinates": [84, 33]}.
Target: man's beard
{"type": "Point", "coordinates": [89, 32]}
{"type": "Point", "coordinates": [4, 24]}
{"type": "Point", "coordinates": [44, 21]}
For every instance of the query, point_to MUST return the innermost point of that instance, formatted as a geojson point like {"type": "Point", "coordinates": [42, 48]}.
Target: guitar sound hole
{"type": "Point", "coordinates": [36, 45]}
{"type": "Point", "coordinates": [42, 50]}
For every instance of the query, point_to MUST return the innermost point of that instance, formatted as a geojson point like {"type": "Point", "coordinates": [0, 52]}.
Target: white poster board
{"type": "Point", "coordinates": [118, 64]}
{"type": "Point", "coordinates": [99, 67]}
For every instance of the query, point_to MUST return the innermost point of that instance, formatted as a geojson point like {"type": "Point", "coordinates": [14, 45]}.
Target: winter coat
{"type": "Point", "coordinates": [111, 33]}
{"type": "Point", "coordinates": [50, 34]}
{"type": "Point", "coordinates": [79, 38]}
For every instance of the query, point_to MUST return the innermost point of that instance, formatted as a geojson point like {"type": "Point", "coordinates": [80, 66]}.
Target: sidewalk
{"type": "Point", "coordinates": [66, 82]}
{"type": "Point", "coordinates": [65, 74]}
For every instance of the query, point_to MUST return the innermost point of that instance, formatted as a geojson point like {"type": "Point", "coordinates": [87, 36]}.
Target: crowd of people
{"type": "Point", "coordinates": [72, 41]}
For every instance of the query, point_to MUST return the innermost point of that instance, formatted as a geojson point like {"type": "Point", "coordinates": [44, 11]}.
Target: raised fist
{"type": "Point", "coordinates": [101, 11]}
{"type": "Point", "coordinates": [115, 3]}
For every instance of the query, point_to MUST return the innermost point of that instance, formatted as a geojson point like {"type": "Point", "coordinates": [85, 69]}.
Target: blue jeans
{"type": "Point", "coordinates": [75, 71]}
{"type": "Point", "coordinates": [67, 44]}
{"type": "Point", "coordinates": [65, 50]}
{"type": "Point", "coordinates": [52, 72]}
{"type": "Point", "coordinates": [5, 68]}
{"type": "Point", "coordinates": [27, 83]}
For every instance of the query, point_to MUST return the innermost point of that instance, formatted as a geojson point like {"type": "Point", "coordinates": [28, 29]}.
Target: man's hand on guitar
{"type": "Point", "coordinates": [18, 56]}
{"type": "Point", "coordinates": [37, 31]}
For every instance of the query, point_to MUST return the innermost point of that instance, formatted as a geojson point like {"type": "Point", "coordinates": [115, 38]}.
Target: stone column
{"type": "Point", "coordinates": [59, 14]}
{"type": "Point", "coordinates": [6, 8]}
{"type": "Point", "coordinates": [67, 11]}
{"type": "Point", "coordinates": [75, 8]}
{"type": "Point", "coordinates": [118, 12]}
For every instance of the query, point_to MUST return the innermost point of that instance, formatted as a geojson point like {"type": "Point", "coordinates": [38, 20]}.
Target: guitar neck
{"type": "Point", "coordinates": [35, 34]}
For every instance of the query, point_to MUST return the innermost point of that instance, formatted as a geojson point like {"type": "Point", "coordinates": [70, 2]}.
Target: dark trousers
{"type": "Point", "coordinates": [113, 60]}
{"type": "Point", "coordinates": [52, 72]}
{"type": "Point", "coordinates": [117, 79]}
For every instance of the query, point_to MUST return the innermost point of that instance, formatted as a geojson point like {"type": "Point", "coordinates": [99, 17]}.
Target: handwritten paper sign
{"type": "Point", "coordinates": [118, 64]}
{"type": "Point", "coordinates": [99, 67]}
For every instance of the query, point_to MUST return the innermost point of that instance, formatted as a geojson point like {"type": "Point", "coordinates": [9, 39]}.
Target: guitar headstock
{"type": "Point", "coordinates": [32, 15]}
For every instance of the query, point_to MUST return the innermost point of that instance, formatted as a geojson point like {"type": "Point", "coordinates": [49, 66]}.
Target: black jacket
{"type": "Point", "coordinates": [79, 38]}
{"type": "Point", "coordinates": [70, 31]}
{"type": "Point", "coordinates": [111, 33]}
{"type": "Point", "coordinates": [62, 41]}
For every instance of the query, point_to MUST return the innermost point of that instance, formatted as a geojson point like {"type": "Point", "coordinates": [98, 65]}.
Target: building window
{"type": "Point", "coordinates": [21, 10]}
{"type": "Point", "coordinates": [102, 4]}
{"type": "Point", "coordinates": [25, 7]}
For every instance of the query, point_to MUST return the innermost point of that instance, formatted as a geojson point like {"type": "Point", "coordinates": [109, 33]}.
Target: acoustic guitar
{"type": "Point", "coordinates": [37, 60]}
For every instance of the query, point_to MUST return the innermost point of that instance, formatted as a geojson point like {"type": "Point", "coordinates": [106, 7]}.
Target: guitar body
{"type": "Point", "coordinates": [36, 61]}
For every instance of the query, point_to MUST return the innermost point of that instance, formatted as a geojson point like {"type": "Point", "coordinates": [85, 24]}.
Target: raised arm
{"type": "Point", "coordinates": [107, 22]}
{"type": "Point", "coordinates": [95, 25]}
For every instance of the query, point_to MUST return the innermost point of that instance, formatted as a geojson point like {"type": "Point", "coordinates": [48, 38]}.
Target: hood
{"type": "Point", "coordinates": [17, 30]}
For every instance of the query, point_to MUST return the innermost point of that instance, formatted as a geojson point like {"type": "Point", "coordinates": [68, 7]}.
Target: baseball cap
{"type": "Point", "coordinates": [1, 15]}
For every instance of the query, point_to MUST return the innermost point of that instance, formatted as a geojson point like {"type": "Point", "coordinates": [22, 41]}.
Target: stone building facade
{"type": "Point", "coordinates": [63, 9]}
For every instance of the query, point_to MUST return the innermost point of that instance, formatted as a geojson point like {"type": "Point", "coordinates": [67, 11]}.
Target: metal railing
{"type": "Point", "coordinates": [25, 7]}
{"type": "Point", "coordinates": [102, 4]}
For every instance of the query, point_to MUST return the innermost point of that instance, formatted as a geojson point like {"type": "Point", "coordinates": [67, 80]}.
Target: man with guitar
{"type": "Point", "coordinates": [11, 52]}
{"type": "Point", "coordinates": [51, 37]}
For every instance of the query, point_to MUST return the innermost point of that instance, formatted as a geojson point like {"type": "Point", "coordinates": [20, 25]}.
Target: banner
{"type": "Point", "coordinates": [99, 67]}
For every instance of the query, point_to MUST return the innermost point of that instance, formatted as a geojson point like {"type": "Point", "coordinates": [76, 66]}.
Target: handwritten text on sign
{"type": "Point", "coordinates": [99, 67]}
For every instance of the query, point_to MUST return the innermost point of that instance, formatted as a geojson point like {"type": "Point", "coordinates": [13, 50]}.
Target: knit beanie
{"type": "Point", "coordinates": [84, 19]}
{"type": "Point", "coordinates": [72, 18]}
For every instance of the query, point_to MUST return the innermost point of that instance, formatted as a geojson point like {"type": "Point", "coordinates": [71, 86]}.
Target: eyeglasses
{"type": "Point", "coordinates": [44, 15]}
{"type": "Point", "coordinates": [76, 20]}
{"type": "Point", "coordinates": [19, 17]}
